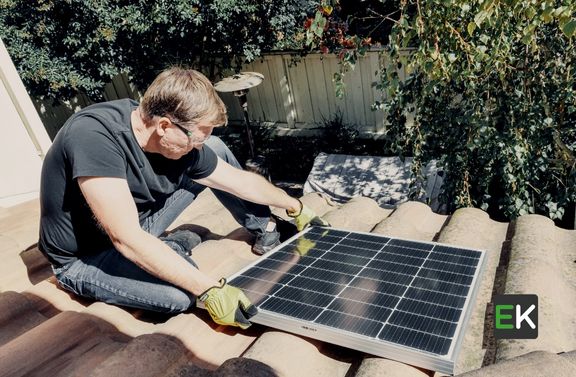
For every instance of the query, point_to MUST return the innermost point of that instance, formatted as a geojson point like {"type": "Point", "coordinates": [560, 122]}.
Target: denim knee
{"type": "Point", "coordinates": [217, 145]}
{"type": "Point", "coordinates": [222, 151]}
{"type": "Point", "coordinates": [158, 298]}
{"type": "Point", "coordinates": [177, 301]}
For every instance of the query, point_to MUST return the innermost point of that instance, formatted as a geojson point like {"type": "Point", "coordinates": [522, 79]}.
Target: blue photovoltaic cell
{"type": "Point", "coordinates": [405, 292]}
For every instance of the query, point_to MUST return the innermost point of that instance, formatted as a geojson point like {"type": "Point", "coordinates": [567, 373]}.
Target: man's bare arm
{"type": "Point", "coordinates": [248, 186]}
{"type": "Point", "coordinates": [113, 206]}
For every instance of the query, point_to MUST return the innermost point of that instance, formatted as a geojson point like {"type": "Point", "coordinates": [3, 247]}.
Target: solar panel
{"type": "Point", "coordinates": [405, 300]}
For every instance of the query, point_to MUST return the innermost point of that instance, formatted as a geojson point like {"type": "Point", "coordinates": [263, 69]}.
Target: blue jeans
{"type": "Point", "coordinates": [110, 277]}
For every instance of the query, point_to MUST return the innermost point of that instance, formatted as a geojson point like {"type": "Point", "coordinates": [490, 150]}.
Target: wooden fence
{"type": "Point", "coordinates": [296, 95]}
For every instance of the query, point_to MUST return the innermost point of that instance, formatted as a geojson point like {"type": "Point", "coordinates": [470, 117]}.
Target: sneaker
{"type": "Point", "coordinates": [265, 242]}
{"type": "Point", "coordinates": [182, 241]}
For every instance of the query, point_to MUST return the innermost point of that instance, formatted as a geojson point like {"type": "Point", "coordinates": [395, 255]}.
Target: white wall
{"type": "Point", "coordinates": [23, 139]}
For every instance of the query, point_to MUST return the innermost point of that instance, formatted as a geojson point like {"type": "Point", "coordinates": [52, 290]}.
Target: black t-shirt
{"type": "Point", "coordinates": [98, 141]}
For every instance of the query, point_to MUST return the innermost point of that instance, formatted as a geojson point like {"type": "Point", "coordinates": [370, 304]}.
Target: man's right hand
{"type": "Point", "coordinates": [307, 217]}
{"type": "Point", "coordinates": [228, 305]}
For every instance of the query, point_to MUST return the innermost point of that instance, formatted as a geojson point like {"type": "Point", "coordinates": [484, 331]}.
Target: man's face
{"type": "Point", "coordinates": [179, 139]}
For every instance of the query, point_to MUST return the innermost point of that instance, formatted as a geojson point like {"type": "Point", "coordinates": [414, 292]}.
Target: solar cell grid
{"type": "Point", "coordinates": [458, 259]}
{"type": "Point", "coordinates": [405, 252]}
{"type": "Point", "coordinates": [385, 277]}
{"type": "Point", "coordinates": [399, 258]}
{"type": "Point", "coordinates": [291, 308]}
{"type": "Point", "coordinates": [345, 268]}
{"type": "Point", "coordinates": [369, 238]}
{"type": "Point", "coordinates": [393, 267]}
{"type": "Point", "coordinates": [366, 296]}
{"type": "Point", "coordinates": [400, 292]}
{"type": "Point", "coordinates": [410, 244]}
{"type": "Point", "coordinates": [360, 244]}
{"type": "Point", "coordinates": [360, 309]}
{"type": "Point", "coordinates": [319, 274]}
{"type": "Point", "coordinates": [394, 288]}
{"type": "Point", "coordinates": [442, 249]}
{"type": "Point", "coordinates": [330, 288]}
{"type": "Point", "coordinates": [304, 296]}
{"type": "Point", "coordinates": [345, 249]}
{"type": "Point", "coordinates": [433, 296]}
{"type": "Point", "coordinates": [350, 323]}
{"type": "Point", "coordinates": [346, 258]}
{"type": "Point", "coordinates": [440, 286]}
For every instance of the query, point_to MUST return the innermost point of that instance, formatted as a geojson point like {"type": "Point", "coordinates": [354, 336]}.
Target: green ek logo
{"type": "Point", "coordinates": [516, 317]}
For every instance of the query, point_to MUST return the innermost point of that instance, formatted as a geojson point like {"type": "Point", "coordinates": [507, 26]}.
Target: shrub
{"type": "Point", "coordinates": [492, 87]}
{"type": "Point", "coordinates": [61, 47]}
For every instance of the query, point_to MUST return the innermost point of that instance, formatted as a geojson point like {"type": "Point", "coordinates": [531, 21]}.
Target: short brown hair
{"type": "Point", "coordinates": [185, 96]}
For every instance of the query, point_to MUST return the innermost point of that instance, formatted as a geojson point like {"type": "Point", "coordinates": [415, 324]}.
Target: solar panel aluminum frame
{"type": "Point", "coordinates": [377, 347]}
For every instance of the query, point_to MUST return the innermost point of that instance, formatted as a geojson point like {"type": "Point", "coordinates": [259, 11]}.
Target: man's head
{"type": "Point", "coordinates": [184, 95]}
{"type": "Point", "coordinates": [184, 108]}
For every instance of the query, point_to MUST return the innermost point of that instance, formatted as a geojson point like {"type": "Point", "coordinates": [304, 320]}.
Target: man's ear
{"type": "Point", "coordinates": [161, 126]}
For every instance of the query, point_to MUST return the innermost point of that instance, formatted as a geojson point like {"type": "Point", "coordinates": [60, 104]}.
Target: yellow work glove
{"type": "Point", "coordinates": [228, 305]}
{"type": "Point", "coordinates": [305, 217]}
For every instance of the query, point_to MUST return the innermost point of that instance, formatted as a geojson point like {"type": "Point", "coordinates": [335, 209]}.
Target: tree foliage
{"type": "Point", "coordinates": [490, 92]}
{"type": "Point", "coordinates": [61, 47]}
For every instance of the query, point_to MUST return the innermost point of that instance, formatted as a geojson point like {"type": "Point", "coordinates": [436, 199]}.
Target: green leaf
{"type": "Point", "coordinates": [547, 14]}
{"type": "Point", "coordinates": [480, 17]}
{"type": "Point", "coordinates": [558, 11]}
{"type": "Point", "coordinates": [569, 28]}
{"type": "Point", "coordinates": [471, 28]}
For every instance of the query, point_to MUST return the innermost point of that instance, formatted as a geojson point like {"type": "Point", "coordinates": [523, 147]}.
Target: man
{"type": "Point", "coordinates": [118, 174]}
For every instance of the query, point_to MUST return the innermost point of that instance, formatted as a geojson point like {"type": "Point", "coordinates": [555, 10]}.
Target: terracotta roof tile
{"type": "Point", "coordinates": [359, 214]}
{"type": "Point", "coordinates": [46, 331]}
{"type": "Point", "coordinates": [59, 343]}
{"type": "Point", "coordinates": [154, 353]}
{"type": "Point", "coordinates": [17, 316]}
{"type": "Point", "coordinates": [375, 366]}
{"type": "Point", "coordinates": [291, 355]}
{"type": "Point", "coordinates": [473, 228]}
{"type": "Point", "coordinates": [542, 263]}
{"type": "Point", "coordinates": [412, 220]}
{"type": "Point", "coordinates": [537, 363]}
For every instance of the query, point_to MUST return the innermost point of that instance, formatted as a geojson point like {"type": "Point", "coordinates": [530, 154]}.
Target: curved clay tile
{"type": "Point", "coordinates": [359, 214]}
{"type": "Point", "coordinates": [412, 220]}
{"type": "Point", "coordinates": [473, 228]}
{"type": "Point", "coordinates": [291, 355]}
{"type": "Point", "coordinates": [542, 262]}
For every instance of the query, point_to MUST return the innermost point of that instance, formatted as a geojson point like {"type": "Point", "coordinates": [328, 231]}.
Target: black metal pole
{"type": "Point", "coordinates": [244, 104]}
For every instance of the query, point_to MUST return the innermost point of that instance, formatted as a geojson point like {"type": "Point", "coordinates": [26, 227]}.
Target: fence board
{"type": "Point", "coordinates": [132, 89]}
{"type": "Point", "coordinates": [318, 92]}
{"type": "Point", "coordinates": [379, 115]}
{"type": "Point", "coordinates": [368, 77]}
{"type": "Point", "coordinates": [354, 97]}
{"type": "Point", "coordinates": [275, 81]}
{"type": "Point", "coordinates": [298, 81]}
{"type": "Point", "coordinates": [266, 92]}
{"type": "Point", "coordinates": [278, 65]}
{"type": "Point", "coordinates": [299, 95]}
{"type": "Point", "coordinates": [336, 104]}
{"type": "Point", "coordinates": [109, 92]}
{"type": "Point", "coordinates": [120, 87]}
